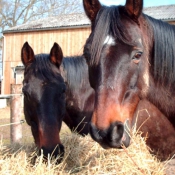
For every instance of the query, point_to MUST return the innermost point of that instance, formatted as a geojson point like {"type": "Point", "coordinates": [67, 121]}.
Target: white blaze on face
{"type": "Point", "coordinates": [109, 40]}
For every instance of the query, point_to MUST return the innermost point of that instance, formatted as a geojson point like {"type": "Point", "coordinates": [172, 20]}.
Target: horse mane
{"type": "Point", "coordinates": [75, 72]}
{"type": "Point", "coordinates": [42, 68]}
{"type": "Point", "coordinates": [164, 51]}
{"type": "Point", "coordinates": [107, 23]}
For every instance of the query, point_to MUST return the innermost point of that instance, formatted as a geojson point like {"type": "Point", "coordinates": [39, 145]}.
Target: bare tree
{"type": "Point", "coordinates": [14, 12]}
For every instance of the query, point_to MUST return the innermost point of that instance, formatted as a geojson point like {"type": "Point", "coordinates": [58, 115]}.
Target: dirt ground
{"type": "Point", "coordinates": [28, 138]}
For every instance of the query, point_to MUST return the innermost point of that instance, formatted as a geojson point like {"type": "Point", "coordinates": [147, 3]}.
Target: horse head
{"type": "Point", "coordinates": [44, 98]}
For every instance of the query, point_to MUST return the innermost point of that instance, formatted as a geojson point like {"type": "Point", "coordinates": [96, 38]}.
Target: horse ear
{"type": "Point", "coordinates": [27, 54]}
{"type": "Point", "coordinates": [134, 8]}
{"type": "Point", "coordinates": [91, 8]}
{"type": "Point", "coordinates": [56, 55]}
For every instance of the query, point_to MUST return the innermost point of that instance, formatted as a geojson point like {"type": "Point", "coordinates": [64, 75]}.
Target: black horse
{"type": "Point", "coordinates": [44, 98]}
{"type": "Point", "coordinates": [55, 91]}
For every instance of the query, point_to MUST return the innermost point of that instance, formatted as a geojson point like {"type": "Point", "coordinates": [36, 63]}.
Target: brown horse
{"type": "Point", "coordinates": [79, 94]}
{"type": "Point", "coordinates": [131, 57]}
{"type": "Point", "coordinates": [153, 124]}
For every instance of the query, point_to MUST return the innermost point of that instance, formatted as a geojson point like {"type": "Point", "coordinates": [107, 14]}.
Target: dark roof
{"type": "Point", "coordinates": [50, 23]}
{"type": "Point", "coordinates": [166, 13]}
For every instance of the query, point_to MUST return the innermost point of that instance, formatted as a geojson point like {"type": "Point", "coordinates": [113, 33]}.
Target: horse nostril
{"type": "Point", "coordinates": [116, 132]}
{"type": "Point", "coordinates": [94, 132]}
{"type": "Point", "coordinates": [112, 134]}
{"type": "Point", "coordinates": [113, 137]}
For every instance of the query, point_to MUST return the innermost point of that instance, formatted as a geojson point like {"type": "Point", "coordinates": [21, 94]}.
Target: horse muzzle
{"type": "Point", "coordinates": [116, 136]}
{"type": "Point", "coordinates": [57, 153]}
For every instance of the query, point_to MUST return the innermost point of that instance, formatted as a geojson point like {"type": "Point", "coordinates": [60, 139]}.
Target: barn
{"type": "Point", "coordinates": [69, 31]}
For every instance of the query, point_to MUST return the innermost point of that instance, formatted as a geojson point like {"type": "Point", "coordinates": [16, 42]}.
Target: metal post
{"type": "Point", "coordinates": [15, 113]}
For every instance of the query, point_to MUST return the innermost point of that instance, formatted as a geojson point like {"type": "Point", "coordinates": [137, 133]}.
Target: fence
{"type": "Point", "coordinates": [12, 123]}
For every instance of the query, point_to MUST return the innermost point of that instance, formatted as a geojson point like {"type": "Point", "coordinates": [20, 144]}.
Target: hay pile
{"type": "Point", "coordinates": [82, 156]}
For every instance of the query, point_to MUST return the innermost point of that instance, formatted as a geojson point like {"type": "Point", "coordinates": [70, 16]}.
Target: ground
{"type": "Point", "coordinates": [27, 137]}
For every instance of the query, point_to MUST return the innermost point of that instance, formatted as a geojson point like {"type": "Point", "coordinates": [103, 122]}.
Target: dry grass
{"type": "Point", "coordinates": [82, 156]}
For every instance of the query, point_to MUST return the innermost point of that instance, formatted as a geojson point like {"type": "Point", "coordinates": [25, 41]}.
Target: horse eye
{"type": "Point", "coordinates": [86, 54]}
{"type": "Point", "coordinates": [24, 83]}
{"type": "Point", "coordinates": [136, 57]}
{"type": "Point", "coordinates": [43, 83]}
{"type": "Point", "coordinates": [25, 93]}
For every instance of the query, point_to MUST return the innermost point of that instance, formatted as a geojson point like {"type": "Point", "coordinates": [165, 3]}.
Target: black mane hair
{"type": "Point", "coordinates": [164, 51]}
{"type": "Point", "coordinates": [75, 72]}
{"type": "Point", "coordinates": [42, 68]}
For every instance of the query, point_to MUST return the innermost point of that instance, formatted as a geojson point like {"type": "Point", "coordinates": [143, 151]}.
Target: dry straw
{"type": "Point", "coordinates": [82, 156]}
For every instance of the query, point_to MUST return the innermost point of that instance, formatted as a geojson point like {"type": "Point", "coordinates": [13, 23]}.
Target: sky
{"type": "Point", "coordinates": [147, 3]}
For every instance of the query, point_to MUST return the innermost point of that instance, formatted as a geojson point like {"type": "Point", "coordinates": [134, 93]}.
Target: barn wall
{"type": "Point", "coordinates": [70, 40]}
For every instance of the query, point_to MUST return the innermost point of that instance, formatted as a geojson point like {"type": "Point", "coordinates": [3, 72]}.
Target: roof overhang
{"type": "Point", "coordinates": [45, 29]}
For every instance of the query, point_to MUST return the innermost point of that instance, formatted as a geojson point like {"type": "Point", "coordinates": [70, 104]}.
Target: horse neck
{"type": "Point", "coordinates": [74, 71]}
